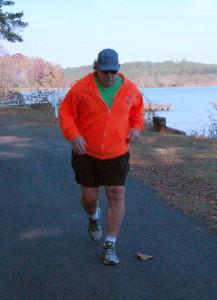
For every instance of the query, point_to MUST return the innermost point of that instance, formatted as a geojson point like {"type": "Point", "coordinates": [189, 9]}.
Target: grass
{"type": "Point", "coordinates": [182, 169]}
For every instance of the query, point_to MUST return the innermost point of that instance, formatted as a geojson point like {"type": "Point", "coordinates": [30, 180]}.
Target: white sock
{"type": "Point", "coordinates": [110, 239]}
{"type": "Point", "coordinates": [95, 216]}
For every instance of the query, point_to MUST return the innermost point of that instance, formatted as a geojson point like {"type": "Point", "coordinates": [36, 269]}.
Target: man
{"type": "Point", "coordinates": [101, 115]}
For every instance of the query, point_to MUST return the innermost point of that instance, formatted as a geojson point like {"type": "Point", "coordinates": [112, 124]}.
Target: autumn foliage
{"type": "Point", "coordinates": [19, 72]}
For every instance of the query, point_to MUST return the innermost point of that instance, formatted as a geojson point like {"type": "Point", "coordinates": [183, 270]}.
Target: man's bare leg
{"type": "Point", "coordinates": [89, 199]}
{"type": "Point", "coordinates": [115, 209]}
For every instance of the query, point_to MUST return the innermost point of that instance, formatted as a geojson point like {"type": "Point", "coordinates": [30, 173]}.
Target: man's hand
{"type": "Point", "coordinates": [133, 135]}
{"type": "Point", "coordinates": [78, 145]}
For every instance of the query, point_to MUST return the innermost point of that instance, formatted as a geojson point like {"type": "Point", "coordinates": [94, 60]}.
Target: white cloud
{"type": "Point", "coordinates": [202, 7]}
{"type": "Point", "coordinates": [116, 7]}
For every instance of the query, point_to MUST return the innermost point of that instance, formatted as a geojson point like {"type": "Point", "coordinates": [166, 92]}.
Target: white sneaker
{"type": "Point", "coordinates": [94, 229]}
{"type": "Point", "coordinates": [108, 254]}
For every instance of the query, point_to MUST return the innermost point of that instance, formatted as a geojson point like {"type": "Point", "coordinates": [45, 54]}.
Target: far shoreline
{"type": "Point", "coordinates": [143, 87]}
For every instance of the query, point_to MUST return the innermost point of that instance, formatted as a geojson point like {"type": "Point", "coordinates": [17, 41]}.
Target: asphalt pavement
{"type": "Point", "coordinates": [45, 252]}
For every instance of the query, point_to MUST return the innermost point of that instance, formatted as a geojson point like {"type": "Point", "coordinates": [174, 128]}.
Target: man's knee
{"type": "Point", "coordinates": [115, 193]}
{"type": "Point", "coordinates": [89, 195]}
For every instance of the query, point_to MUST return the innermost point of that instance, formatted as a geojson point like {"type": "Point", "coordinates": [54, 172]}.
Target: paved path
{"type": "Point", "coordinates": [45, 251]}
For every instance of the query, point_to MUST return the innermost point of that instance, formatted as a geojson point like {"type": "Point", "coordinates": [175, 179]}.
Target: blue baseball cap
{"type": "Point", "coordinates": [108, 60]}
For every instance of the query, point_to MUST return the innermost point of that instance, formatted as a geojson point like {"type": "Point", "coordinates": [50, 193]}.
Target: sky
{"type": "Point", "coordinates": [72, 33]}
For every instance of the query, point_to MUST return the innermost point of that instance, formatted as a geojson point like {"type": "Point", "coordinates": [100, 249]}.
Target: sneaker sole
{"type": "Point", "coordinates": [110, 263]}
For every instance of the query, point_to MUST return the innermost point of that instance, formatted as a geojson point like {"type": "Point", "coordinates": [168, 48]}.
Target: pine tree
{"type": "Point", "coordinates": [11, 23]}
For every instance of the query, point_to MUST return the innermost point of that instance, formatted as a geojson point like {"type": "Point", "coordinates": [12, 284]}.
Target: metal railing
{"type": "Point", "coordinates": [54, 99]}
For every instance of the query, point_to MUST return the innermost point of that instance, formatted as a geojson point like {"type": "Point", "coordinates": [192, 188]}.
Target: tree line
{"type": "Point", "coordinates": [159, 74]}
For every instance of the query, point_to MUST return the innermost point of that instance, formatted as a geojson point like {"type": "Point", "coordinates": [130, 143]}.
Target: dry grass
{"type": "Point", "coordinates": [181, 168]}
{"type": "Point", "coordinates": [29, 115]}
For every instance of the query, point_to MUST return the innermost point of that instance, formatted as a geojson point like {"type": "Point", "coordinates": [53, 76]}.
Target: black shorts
{"type": "Point", "coordinates": [93, 172]}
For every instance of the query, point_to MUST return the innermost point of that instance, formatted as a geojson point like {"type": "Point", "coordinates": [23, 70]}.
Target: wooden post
{"type": "Point", "coordinates": [159, 123]}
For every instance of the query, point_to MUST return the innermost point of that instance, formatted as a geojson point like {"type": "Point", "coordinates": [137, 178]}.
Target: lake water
{"type": "Point", "coordinates": [191, 106]}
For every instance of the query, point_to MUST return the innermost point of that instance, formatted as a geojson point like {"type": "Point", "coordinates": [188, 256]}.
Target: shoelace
{"type": "Point", "coordinates": [109, 251]}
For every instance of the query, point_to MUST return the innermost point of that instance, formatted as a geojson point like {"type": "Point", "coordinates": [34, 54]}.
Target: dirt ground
{"type": "Point", "coordinates": [182, 169]}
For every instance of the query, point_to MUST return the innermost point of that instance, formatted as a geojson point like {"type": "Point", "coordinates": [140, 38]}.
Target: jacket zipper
{"type": "Point", "coordinates": [104, 131]}
{"type": "Point", "coordinates": [108, 112]}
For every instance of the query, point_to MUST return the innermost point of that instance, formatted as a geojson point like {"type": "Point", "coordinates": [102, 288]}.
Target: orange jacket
{"type": "Point", "coordinates": [83, 112]}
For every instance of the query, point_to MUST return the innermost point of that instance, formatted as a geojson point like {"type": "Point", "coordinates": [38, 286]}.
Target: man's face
{"type": "Point", "coordinates": [106, 78]}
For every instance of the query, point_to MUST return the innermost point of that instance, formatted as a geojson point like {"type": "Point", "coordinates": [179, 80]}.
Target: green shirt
{"type": "Point", "coordinates": [108, 93]}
